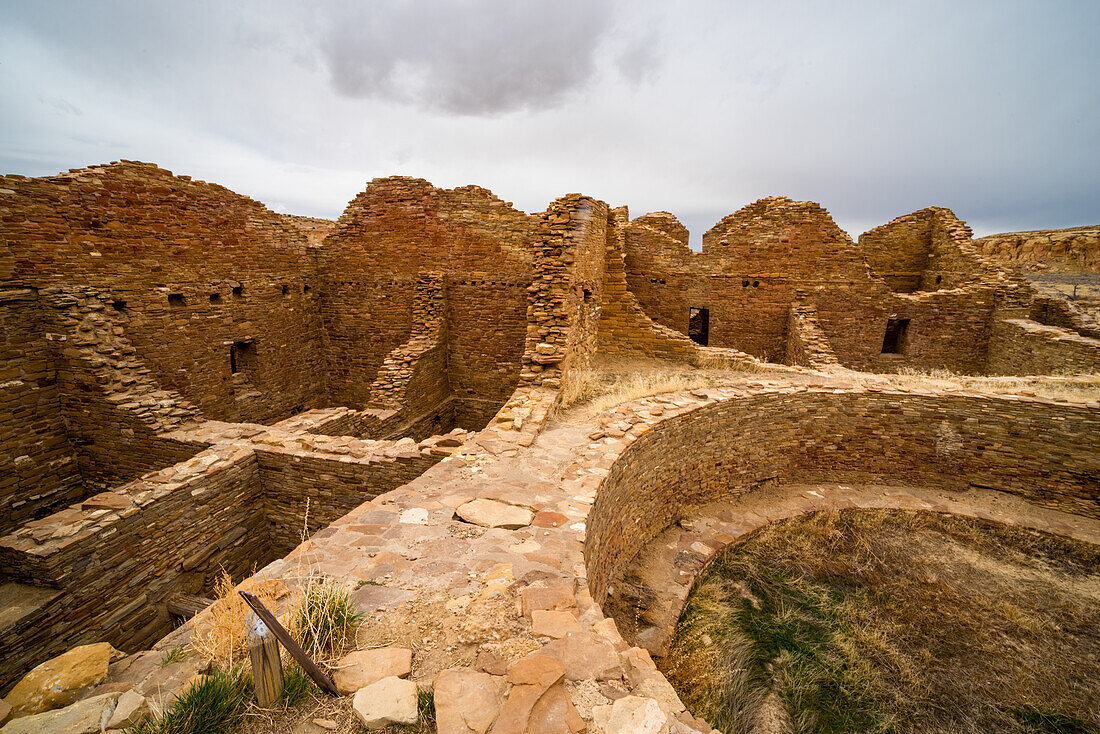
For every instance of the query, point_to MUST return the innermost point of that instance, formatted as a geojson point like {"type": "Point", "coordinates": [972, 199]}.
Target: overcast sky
{"type": "Point", "coordinates": [874, 109]}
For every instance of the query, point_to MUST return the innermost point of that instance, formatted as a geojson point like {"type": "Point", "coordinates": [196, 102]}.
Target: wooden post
{"type": "Point", "coordinates": [267, 667]}
{"type": "Point", "coordinates": [323, 681]}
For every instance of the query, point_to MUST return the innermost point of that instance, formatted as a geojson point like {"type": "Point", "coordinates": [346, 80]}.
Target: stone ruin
{"type": "Point", "coordinates": [192, 383]}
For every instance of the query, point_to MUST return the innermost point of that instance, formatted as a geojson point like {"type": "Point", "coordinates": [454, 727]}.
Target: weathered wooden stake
{"type": "Point", "coordinates": [267, 666]}
{"type": "Point", "coordinates": [323, 681]}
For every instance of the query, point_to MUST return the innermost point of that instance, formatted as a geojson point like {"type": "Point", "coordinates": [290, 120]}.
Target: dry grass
{"type": "Point", "coordinates": [220, 635]}
{"type": "Point", "coordinates": [1071, 388]}
{"type": "Point", "coordinates": [896, 622]}
{"type": "Point", "coordinates": [611, 383]}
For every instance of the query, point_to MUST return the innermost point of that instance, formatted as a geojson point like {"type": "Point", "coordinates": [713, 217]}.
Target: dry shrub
{"type": "Point", "coordinates": [220, 634]}
{"type": "Point", "coordinates": [578, 385]}
{"type": "Point", "coordinates": [323, 618]}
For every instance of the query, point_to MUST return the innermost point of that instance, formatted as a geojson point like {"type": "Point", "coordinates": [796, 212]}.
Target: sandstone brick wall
{"type": "Point", "coordinates": [389, 235]}
{"type": "Point", "coordinates": [169, 533]}
{"type": "Point", "coordinates": [114, 409]}
{"type": "Point", "coordinates": [332, 488]}
{"type": "Point", "coordinates": [566, 293]}
{"type": "Point", "coordinates": [807, 345]}
{"type": "Point", "coordinates": [763, 259]}
{"type": "Point", "coordinates": [38, 465]}
{"type": "Point", "coordinates": [624, 326]}
{"type": "Point", "coordinates": [191, 268]}
{"type": "Point", "coordinates": [1048, 453]}
{"type": "Point", "coordinates": [1025, 347]}
{"type": "Point", "coordinates": [1073, 250]}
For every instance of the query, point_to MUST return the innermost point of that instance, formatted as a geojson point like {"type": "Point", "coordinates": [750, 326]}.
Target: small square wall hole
{"type": "Point", "coordinates": [119, 306]}
{"type": "Point", "coordinates": [305, 289]}
{"type": "Point", "coordinates": [176, 299]}
{"type": "Point", "coordinates": [238, 291]}
{"type": "Point", "coordinates": [284, 289]}
{"type": "Point", "coordinates": [896, 340]}
{"type": "Point", "coordinates": [215, 297]}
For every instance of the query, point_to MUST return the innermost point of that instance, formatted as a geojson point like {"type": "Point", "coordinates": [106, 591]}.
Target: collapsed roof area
{"type": "Point", "coordinates": [183, 370]}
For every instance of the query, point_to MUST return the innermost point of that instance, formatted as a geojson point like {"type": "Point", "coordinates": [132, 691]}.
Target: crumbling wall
{"type": "Point", "coordinates": [389, 235]}
{"type": "Point", "coordinates": [1048, 453]}
{"type": "Point", "coordinates": [1025, 347]}
{"type": "Point", "coordinates": [190, 267]}
{"type": "Point", "coordinates": [625, 328]}
{"type": "Point", "coordinates": [566, 293]}
{"type": "Point", "coordinates": [38, 466]}
{"type": "Point", "coordinates": [807, 345]}
{"type": "Point", "coordinates": [660, 268]}
{"type": "Point", "coordinates": [114, 410]}
{"type": "Point", "coordinates": [119, 556]}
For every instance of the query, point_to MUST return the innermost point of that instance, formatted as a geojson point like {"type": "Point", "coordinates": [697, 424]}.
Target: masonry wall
{"type": "Point", "coordinates": [332, 488]}
{"type": "Point", "coordinates": [398, 229]}
{"type": "Point", "coordinates": [1025, 347]}
{"type": "Point", "coordinates": [190, 268]}
{"type": "Point", "coordinates": [38, 465]}
{"type": "Point", "coordinates": [118, 568]}
{"type": "Point", "coordinates": [775, 253]}
{"type": "Point", "coordinates": [1047, 453]}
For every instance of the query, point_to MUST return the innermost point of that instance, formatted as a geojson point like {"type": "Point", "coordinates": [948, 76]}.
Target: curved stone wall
{"type": "Point", "coordinates": [1046, 452]}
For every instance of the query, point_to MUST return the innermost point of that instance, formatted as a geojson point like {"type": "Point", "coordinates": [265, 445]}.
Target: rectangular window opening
{"type": "Point", "coordinates": [176, 299]}
{"type": "Point", "coordinates": [897, 336]}
{"type": "Point", "coordinates": [699, 325]}
{"type": "Point", "coordinates": [242, 357]}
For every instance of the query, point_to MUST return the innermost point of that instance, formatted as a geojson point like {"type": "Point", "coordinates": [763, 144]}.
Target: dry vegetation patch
{"type": "Point", "coordinates": [874, 621]}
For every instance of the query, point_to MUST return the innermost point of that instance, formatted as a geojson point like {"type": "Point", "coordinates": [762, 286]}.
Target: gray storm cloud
{"type": "Point", "coordinates": [698, 107]}
{"type": "Point", "coordinates": [470, 57]}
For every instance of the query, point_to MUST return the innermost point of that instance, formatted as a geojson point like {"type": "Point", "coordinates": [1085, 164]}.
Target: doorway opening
{"type": "Point", "coordinates": [699, 325]}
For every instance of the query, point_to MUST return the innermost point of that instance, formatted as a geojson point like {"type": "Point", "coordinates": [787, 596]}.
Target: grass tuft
{"type": "Point", "coordinates": [297, 686]}
{"type": "Point", "coordinates": [220, 635]}
{"type": "Point", "coordinates": [173, 655]}
{"type": "Point", "coordinates": [1042, 720]}
{"type": "Point", "coordinates": [324, 619]}
{"type": "Point", "coordinates": [213, 705]}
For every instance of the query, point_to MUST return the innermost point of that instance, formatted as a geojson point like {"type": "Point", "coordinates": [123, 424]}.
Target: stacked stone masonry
{"type": "Point", "coordinates": [192, 383]}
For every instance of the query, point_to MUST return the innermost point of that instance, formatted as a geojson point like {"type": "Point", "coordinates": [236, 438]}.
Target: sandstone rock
{"type": "Point", "coordinates": [361, 668]}
{"type": "Point", "coordinates": [83, 717]}
{"type": "Point", "coordinates": [388, 701]}
{"type": "Point", "coordinates": [657, 687]}
{"type": "Point", "coordinates": [549, 597]}
{"type": "Point", "coordinates": [537, 703]}
{"type": "Point", "coordinates": [551, 623]}
{"type": "Point", "coordinates": [630, 715]}
{"type": "Point", "coordinates": [491, 663]}
{"type": "Point", "coordinates": [585, 655]}
{"type": "Point", "coordinates": [326, 724]}
{"type": "Point", "coordinates": [60, 680]}
{"type": "Point", "coordinates": [536, 670]}
{"type": "Point", "coordinates": [129, 711]}
{"type": "Point", "coordinates": [466, 701]}
{"type": "Point", "coordinates": [493, 514]}
{"type": "Point", "coordinates": [5, 712]}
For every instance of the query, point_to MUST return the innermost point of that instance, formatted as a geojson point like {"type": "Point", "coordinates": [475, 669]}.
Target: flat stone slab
{"type": "Point", "coordinates": [83, 717]}
{"type": "Point", "coordinates": [466, 701]}
{"type": "Point", "coordinates": [388, 701]}
{"type": "Point", "coordinates": [494, 514]}
{"type": "Point", "coordinates": [361, 668]}
{"type": "Point", "coordinates": [60, 680]}
{"type": "Point", "coordinates": [371, 597]}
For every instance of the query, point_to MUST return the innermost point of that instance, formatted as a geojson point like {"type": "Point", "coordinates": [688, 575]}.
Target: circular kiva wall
{"type": "Point", "coordinates": [1045, 452]}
